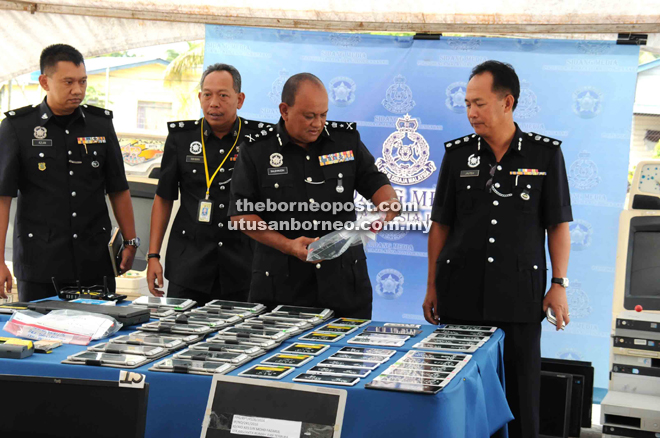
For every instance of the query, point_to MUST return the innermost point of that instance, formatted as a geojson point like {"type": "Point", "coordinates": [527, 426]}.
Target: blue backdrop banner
{"type": "Point", "coordinates": [407, 97]}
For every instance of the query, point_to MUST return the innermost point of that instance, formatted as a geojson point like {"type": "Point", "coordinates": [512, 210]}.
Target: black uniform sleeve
{"type": "Point", "coordinates": [556, 201]}
{"type": "Point", "coordinates": [368, 179]}
{"type": "Point", "coordinates": [115, 174]}
{"type": "Point", "coordinates": [444, 202]}
{"type": "Point", "coordinates": [244, 183]}
{"type": "Point", "coordinates": [168, 182]}
{"type": "Point", "coordinates": [9, 160]}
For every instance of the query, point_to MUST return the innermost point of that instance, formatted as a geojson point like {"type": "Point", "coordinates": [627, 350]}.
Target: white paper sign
{"type": "Point", "coordinates": [265, 427]}
{"type": "Point", "coordinates": [129, 379]}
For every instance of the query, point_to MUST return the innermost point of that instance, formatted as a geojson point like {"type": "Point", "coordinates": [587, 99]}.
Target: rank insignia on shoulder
{"type": "Point", "coordinates": [454, 144]}
{"type": "Point", "coordinates": [341, 126]}
{"type": "Point", "coordinates": [542, 139]}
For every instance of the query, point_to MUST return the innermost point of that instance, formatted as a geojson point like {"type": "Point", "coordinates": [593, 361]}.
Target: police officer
{"type": "Point", "coordinates": [61, 158]}
{"type": "Point", "coordinates": [205, 259]}
{"type": "Point", "coordinates": [306, 160]}
{"type": "Point", "coordinates": [499, 191]}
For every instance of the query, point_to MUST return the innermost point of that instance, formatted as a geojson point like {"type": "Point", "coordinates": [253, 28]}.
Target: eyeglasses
{"type": "Point", "coordinates": [489, 183]}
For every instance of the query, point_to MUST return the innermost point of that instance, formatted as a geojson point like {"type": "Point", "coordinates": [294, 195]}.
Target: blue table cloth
{"type": "Point", "coordinates": [472, 405]}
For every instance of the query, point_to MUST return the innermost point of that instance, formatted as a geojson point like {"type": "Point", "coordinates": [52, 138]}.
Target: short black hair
{"type": "Point", "coordinates": [505, 79]}
{"type": "Point", "coordinates": [235, 75]}
{"type": "Point", "coordinates": [292, 85]}
{"type": "Point", "coordinates": [55, 53]}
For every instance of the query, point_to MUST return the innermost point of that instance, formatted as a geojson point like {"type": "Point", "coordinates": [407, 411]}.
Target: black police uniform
{"type": "Point", "coordinates": [60, 167]}
{"type": "Point", "coordinates": [204, 261]}
{"type": "Point", "coordinates": [492, 268]}
{"type": "Point", "coordinates": [271, 167]}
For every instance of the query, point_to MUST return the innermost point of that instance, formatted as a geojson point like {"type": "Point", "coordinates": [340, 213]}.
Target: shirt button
{"type": "Point", "coordinates": [71, 172]}
{"type": "Point", "coordinates": [468, 187]}
{"type": "Point", "coordinates": [222, 151]}
{"type": "Point", "coordinates": [448, 261]}
{"type": "Point", "coordinates": [75, 236]}
{"type": "Point", "coordinates": [267, 273]}
{"type": "Point", "coordinates": [221, 205]}
{"type": "Point", "coordinates": [497, 185]}
{"type": "Point", "coordinates": [318, 266]}
{"type": "Point", "coordinates": [536, 267]}
{"type": "Point", "coordinates": [73, 193]}
{"type": "Point", "coordinates": [311, 200]}
{"type": "Point", "coordinates": [183, 232]}
{"type": "Point", "coordinates": [491, 240]}
{"type": "Point", "coordinates": [491, 260]}
{"type": "Point", "coordinates": [41, 154]}
{"type": "Point", "coordinates": [499, 167]}
{"type": "Point", "coordinates": [222, 170]}
{"type": "Point", "coordinates": [220, 225]}
{"type": "Point", "coordinates": [67, 131]}
{"type": "Point", "coordinates": [222, 187]}
{"type": "Point", "coordinates": [496, 203]}
{"type": "Point", "coordinates": [277, 186]}
{"type": "Point", "coordinates": [307, 157]}
{"type": "Point", "coordinates": [70, 152]}
{"type": "Point", "coordinates": [340, 175]}
{"type": "Point", "coordinates": [30, 235]}
{"type": "Point", "coordinates": [220, 244]}
{"type": "Point", "coordinates": [529, 186]}
{"type": "Point", "coordinates": [494, 222]}
{"type": "Point", "coordinates": [194, 170]}
{"type": "Point", "coordinates": [74, 214]}
{"type": "Point", "coordinates": [95, 153]}
{"type": "Point", "coordinates": [309, 178]}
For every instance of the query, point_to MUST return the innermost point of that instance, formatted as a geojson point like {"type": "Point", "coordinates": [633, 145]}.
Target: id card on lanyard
{"type": "Point", "coordinates": [205, 207]}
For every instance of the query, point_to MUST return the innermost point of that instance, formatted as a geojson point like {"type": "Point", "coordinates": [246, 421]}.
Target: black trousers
{"type": "Point", "coordinates": [522, 369]}
{"type": "Point", "coordinates": [30, 290]}
{"type": "Point", "coordinates": [178, 291]}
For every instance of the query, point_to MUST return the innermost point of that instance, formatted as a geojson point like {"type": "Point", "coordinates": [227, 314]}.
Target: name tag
{"type": "Point", "coordinates": [44, 142]}
{"type": "Point", "coordinates": [278, 171]}
{"type": "Point", "coordinates": [468, 173]}
{"type": "Point", "coordinates": [91, 140]}
{"type": "Point", "coordinates": [339, 157]}
{"type": "Point", "coordinates": [194, 159]}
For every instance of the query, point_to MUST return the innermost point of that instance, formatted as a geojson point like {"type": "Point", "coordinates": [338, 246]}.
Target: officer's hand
{"type": "Point", "coordinates": [430, 306]}
{"type": "Point", "coordinates": [392, 208]}
{"type": "Point", "coordinates": [5, 280]}
{"type": "Point", "coordinates": [155, 277]}
{"type": "Point", "coordinates": [556, 300]}
{"type": "Point", "coordinates": [298, 247]}
{"type": "Point", "coordinates": [127, 257]}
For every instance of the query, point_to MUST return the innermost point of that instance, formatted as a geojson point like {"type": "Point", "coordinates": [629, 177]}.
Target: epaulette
{"type": "Point", "coordinates": [263, 131]}
{"type": "Point", "coordinates": [21, 111]}
{"type": "Point", "coordinates": [461, 141]}
{"type": "Point", "coordinates": [182, 125]}
{"type": "Point", "coordinates": [340, 126]}
{"type": "Point", "coordinates": [98, 111]}
{"type": "Point", "coordinates": [542, 139]}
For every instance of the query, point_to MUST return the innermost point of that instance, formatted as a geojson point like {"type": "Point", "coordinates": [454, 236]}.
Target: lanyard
{"type": "Point", "coordinates": [209, 181]}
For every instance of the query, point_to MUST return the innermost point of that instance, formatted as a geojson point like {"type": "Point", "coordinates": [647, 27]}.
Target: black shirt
{"type": "Point", "coordinates": [199, 253]}
{"type": "Point", "coordinates": [493, 264]}
{"type": "Point", "coordinates": [60, 175]}
{"type": "Point", "coordinates": [273, 168]}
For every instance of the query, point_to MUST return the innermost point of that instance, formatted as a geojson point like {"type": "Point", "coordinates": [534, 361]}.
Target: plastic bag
{"type": "Point", "coordinates": [336, 243]}
{"type": "Point", "coordinates": [68, 326]}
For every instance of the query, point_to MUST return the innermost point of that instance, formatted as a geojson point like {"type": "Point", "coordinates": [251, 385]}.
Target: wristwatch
{"type": "Point", "coordinates": [133, 242]}
{"type": "Point", "coordinates": [562, 281]}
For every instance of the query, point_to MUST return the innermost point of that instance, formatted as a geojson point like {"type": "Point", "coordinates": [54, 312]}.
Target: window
{"type": "Point", "coordinates": [153, 116]}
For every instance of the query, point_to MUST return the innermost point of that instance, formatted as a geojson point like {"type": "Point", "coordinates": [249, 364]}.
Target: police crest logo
{"type": "Point", "coordinates": [341, 91]}
{"type": "Point", "coordinates": [527, 103]}
{"type": "Point", "coordinates": [40, 132]}
{"type": "Point", "coordinates": [398, 97]}
{"type": "Point", "coordinates": [455, 93]}
{"type": "Point", "coordinates": [276, 159]}
{"type": "Point", "coordinates": [275, 93]}
{"type": "Point", "coordinates": [474, 161]}
{"type": "Point", "coordinates": [195, 148]}
{"type": "Point", "coordinates": [406, 164]}
{"type": "Point", "coordinates": [42, 166]}
{"type": "Point", "coordinates": [389, 284]}
{"type": "Point", "coordinates": [583, 173]}
{"type": "Point", "coordinates": [587, 102]}
{"type": "Point", "coordinates": [581, 232]}
{"type": "Point", "coordinates": [578, 300]}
